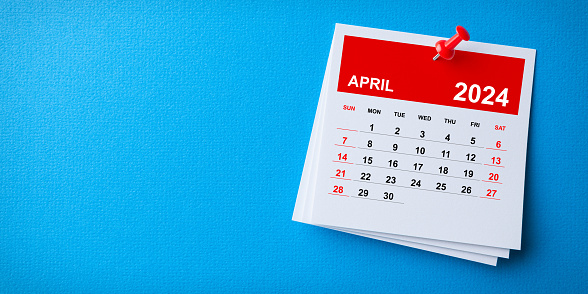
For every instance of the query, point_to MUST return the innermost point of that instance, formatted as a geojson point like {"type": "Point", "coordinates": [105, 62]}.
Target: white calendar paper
{"type": "Point", "coordinates": [444, 171]}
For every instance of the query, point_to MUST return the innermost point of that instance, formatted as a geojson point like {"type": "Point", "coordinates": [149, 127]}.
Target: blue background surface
{"type": "Point", "coordinates": [158, 147]}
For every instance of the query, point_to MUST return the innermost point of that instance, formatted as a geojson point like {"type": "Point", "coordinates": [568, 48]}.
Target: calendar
{"type": "Point", "coordinates": [421, 153]}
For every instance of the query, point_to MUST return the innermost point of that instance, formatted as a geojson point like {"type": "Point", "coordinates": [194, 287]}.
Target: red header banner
{"type": "Point", "coordinates": [407, 72]}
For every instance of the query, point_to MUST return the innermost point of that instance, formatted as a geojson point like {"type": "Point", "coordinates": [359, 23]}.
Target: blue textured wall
{"type": "Point", "coordinates": [153, 146]}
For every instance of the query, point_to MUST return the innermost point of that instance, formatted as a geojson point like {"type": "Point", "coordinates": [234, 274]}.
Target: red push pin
{"type": "Point", "coordinates": [445, 48]}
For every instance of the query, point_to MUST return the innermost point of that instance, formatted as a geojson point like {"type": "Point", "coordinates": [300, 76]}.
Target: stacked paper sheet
{"type": "Point", "coordinates": [422, 153]}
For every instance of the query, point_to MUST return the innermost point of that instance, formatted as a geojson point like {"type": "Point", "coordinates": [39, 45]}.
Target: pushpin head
{"type": "Point", "coordinates": [445, 48]}
{"type": "Point", "coordinates": [463, 34]}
